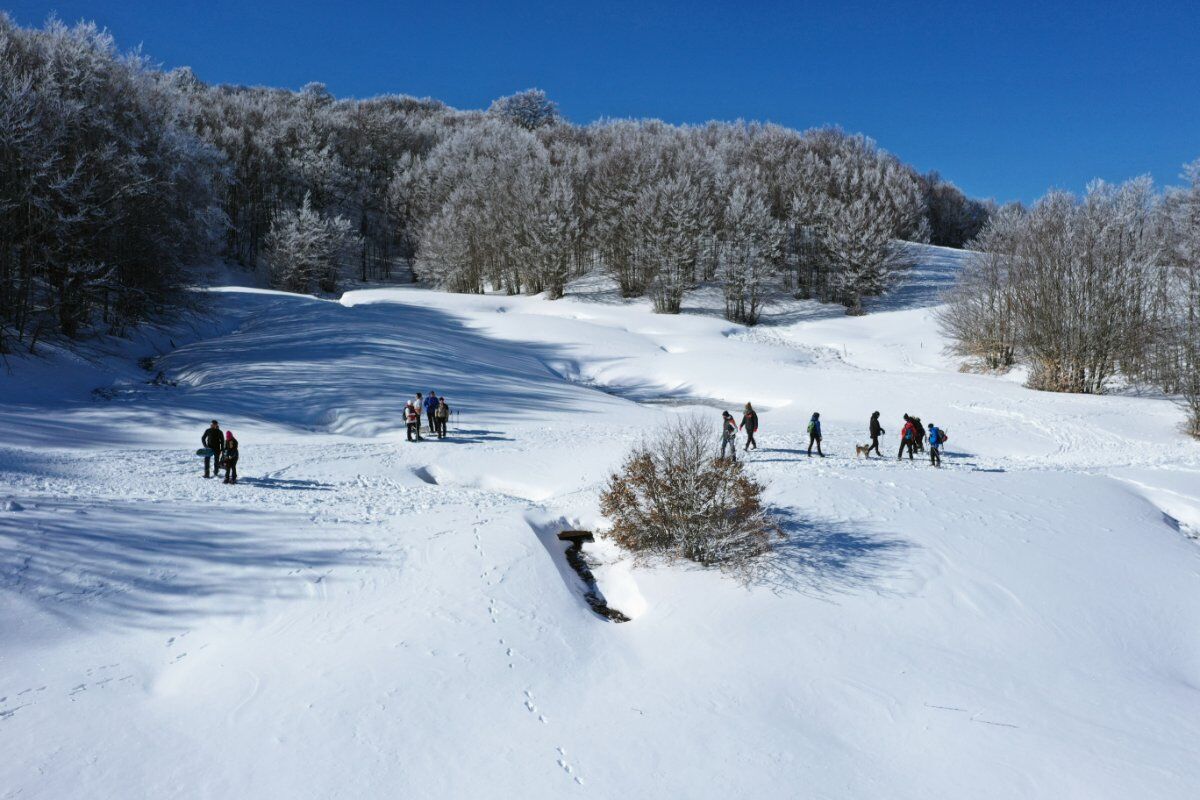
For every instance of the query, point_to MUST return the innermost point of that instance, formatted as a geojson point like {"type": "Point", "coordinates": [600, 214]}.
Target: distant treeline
{"type": "Point", "coordinates": [1087, 290]}
{"type": "Point", "coordinates": [114, 176]}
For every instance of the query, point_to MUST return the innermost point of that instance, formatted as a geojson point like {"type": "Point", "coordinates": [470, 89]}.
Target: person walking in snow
{"type": "Point", "coordinates": [729, 432]}
{"type": "Point", "coordinates": [919, 437]}
{"type": "Point", "coordinates": [814, 434]}
{"type": "Point", "coordinates": [431, 404]}
{"type": "Point", "coordinates": [214, 440]}
{"type": "Point", "coordinates": [750, 425]}
{"type": "Point", "coordinates": [230, 457]}
{"type": "Point", "coordinates": [412, 421]}
{"type": "Point", "coordinates": [876, 430]}
{"type": "Point", "coordinates": [441, 415]}
{"type": "Point", "coordinates": [907, 436]}
{"type": "Point", "coordinates": [936, 437]}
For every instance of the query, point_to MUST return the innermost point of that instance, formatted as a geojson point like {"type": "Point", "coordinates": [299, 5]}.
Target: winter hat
{"type": "Point", "coordinates": [749, 407]}
{"type": "Point", "coordinates": [726, 414]}
{"type": "Point", "coordinates": [228, 435]}
{"type": "Point", "coordinates": [816, 415]}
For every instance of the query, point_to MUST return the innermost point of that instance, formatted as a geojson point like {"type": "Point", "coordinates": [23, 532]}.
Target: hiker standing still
{"type": "Point", "coordinates": [230, 458]}
{"type": "Point", "coordinates": [214, 440]}
{"type": "Point", "coordinates": [431, 404]}
{"type": "Point", "coordinates": [814, 434]}
{"type": "Point", "coordinates": [919, 435]}
{"type": "Point", "coordinates": [441, 415]}
{"type": "Point", "coordinates": [419, 405]}
{"type": "Point", "coordinates": [412, 422]}
{"type": "Point", "coordinates": [876, 430]}
{"type": "Point", "coordinates": [750, 425]}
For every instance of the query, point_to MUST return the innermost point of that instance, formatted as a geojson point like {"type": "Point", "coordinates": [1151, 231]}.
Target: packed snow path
{"type": "Point", "coordinates": [363, 617]}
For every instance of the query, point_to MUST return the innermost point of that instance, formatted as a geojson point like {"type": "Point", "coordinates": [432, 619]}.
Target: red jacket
{"type": "Point", "coordinates": [909, 434]}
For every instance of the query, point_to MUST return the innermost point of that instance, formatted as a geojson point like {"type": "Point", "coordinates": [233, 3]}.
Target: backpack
{"type": "Point", "coordinates": [810, 428]}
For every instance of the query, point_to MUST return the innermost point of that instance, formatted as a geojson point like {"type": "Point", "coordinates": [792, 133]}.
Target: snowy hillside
{"type": "Point", "coordinates": [364, 617]}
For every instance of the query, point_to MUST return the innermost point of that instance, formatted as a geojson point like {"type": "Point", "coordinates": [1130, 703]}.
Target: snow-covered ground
{"type": "Point", "coordinates": [363, 617]}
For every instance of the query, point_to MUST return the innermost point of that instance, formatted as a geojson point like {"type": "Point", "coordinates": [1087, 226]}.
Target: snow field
{"type": "Point", "coordinates": [362, 616]}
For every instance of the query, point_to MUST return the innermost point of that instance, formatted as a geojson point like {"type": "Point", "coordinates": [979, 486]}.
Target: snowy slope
{"type": "Point", "coordinates": [362, 617]}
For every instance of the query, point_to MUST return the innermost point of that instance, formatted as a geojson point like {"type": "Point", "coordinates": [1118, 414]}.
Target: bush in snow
{"type": "Point", "coordinates": [672, 497]}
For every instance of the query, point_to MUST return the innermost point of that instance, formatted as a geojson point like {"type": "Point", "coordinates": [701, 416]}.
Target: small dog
{"type": "Point", "coordinates": [862, 450]}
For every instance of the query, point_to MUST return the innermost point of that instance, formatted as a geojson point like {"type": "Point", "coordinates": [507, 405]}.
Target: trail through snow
{"type": "Point", "coordinates": [362, 617]}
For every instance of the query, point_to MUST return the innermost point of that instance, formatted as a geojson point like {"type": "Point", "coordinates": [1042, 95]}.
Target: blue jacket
{"type": "Point", "coordinates": [430, 403]}
{"type": "Point", "coordinates": [935, 436]}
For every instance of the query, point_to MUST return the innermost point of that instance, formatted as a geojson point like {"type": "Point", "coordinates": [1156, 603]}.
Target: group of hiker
{"type": "Point", "coordinates": [436, 411]}
{"type": "Point", "coordinates": [913, 436]}
{"type": "Point", "coordinates": [221, 449]}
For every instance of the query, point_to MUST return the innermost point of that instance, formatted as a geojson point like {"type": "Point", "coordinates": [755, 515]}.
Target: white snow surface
{"type": "Point", "coordinates": [364, 617]}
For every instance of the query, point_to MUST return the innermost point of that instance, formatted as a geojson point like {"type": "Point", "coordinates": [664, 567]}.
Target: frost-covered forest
{"type": "Point", "coordinates": [1085, 291]}
{"type": "Point", "coordinates": [117, 175]}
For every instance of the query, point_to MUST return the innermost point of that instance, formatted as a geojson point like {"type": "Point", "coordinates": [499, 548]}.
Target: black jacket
{"type": "Point", "coordinates": [213, 439]}
{"type": "Point", "coordinates": [750, 421]}
{"type": "Point", "coordinates": [876, 428]}
{"type": "Point", "coordinates": [231, 451]}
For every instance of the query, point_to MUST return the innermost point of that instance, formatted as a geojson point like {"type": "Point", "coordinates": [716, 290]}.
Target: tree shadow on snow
{"type": "Point", "coordinates": [150, 565]}
{"type": "Point", "coordinates": [821, 558]}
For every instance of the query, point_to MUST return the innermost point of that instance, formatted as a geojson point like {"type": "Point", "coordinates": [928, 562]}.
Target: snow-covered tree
{"type": "Point", "coordinates": [751, 245]}
{"type": "Point", "coordinates": [531, 109]}
{"type": "Point", "coordinates": [307, 250]}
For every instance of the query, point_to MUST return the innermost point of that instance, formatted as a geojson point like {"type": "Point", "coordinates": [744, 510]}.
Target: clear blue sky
{"type": "Point", "coordinates": [1006, 99]}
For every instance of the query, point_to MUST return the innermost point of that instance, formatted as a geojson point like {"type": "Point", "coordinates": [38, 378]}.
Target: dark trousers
{"type": "Point", "coordinates": [216, 466]}
{"type": "Point", "coordinates": [729, 440]}
{"type": "Point", "coordinates": [439, 427]}
{"type": "Point", "coordinates": [874, 446]}
{"type": "Point", "coordinates": [750, 440]}
{"type": "Point", "coordinates": [231, 471]}
{"type": "Point", "coordinates": [920, 445]}
{"type": "Point", "coordinates": [414, 431]}
{"type": "Point", "coordinates": [815, 440]}
{"type": "Point", "coordinates": [935, 457]}
{"type": "Point", "coordinates": [903, 444]}
{"type": "Point", "coordinates": [432, 421]}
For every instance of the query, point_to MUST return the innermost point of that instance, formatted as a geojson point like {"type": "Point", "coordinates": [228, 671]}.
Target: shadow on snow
{"type": "Point", "coordinates": [825, 557]}
{"type": "Point", "coordinates": [117, 563]}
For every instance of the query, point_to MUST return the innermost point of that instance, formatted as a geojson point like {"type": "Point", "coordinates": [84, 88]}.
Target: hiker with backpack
{"type": "Point", "coordinates": [431, 404]}
{"type": "Point", "coordinates": [441, 415]}
{"type": "Point", "coordinates": [412, 421]}
{"type": "Point", "coordinates": [919, 437]}
{"type": "Point", "coordinates": [229, 457]}
{"type": "Point", "coordinates": [729, 431]}
{"type": "Point", "coordinates": [908, 436]}
{"type": "Point", "coordinates": [750, 425]}
{"type": "Point", "coordinates": [212, 439]}
{"type": "Point", "coordinates": [814, 434]}
{"type": "Point", "coordinates": [876, 430]}
{"type": "Point", "coordinates": [937, 437]}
